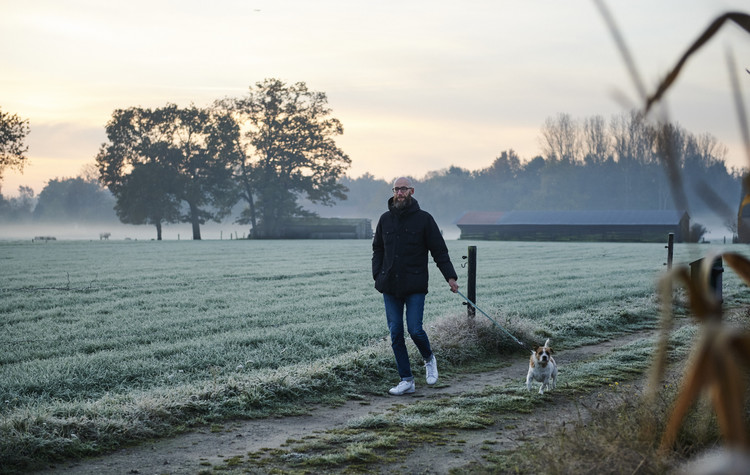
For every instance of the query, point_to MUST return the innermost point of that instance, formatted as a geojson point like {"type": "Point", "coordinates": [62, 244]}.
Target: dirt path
{"type": "Point", "coordinates": [201, 450]}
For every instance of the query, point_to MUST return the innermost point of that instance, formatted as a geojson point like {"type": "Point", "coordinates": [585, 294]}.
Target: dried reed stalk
{"type": "Point", "coordinates": [719, 360]}
{"type": "Point", "coordinates": [721, 357]}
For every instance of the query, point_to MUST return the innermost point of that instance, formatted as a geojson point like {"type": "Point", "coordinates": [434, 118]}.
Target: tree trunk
{"type": "Point", "coordinates": [158, 231]}
{"type": "Point", "coordinates": [194, 219]}
{"type": "Point", "coordinates": [252, 215]}
{"type": "Point", "coordinates": [251, 204]}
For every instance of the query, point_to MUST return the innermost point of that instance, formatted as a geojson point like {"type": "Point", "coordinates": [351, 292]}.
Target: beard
{"type": "Point", "coordinates": [401, 204]}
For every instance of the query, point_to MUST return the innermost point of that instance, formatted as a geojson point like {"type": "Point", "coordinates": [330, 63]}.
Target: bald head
{"type": "Point", "coordinates": [403, 181]}
{"type": "Point", "coordinates": [402, 191]}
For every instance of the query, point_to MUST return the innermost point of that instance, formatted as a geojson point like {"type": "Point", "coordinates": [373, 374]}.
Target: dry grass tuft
{"type": "Point", "coordinates": [611, 440]}
{"type": "Point", "coordinates": [462, 339]}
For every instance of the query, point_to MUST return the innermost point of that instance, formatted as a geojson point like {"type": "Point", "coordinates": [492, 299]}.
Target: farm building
{"type": "Point", "coordinates": [611, 226]}
{"type": "Point", "coordinates": [320, 228]}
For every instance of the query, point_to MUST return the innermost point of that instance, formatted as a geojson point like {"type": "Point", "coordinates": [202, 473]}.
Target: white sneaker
{"type": "Point", "coordinates": [404, 387]}
{"type": "Point", "coordinates": [432, 372]}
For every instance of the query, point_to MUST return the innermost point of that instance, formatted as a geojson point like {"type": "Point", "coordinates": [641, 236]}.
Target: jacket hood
{"type": "Point", "coordinates": [411, 208]}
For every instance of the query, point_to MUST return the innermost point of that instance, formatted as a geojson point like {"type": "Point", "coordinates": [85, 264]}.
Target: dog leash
{"type": "Point", "coordinates": [494, 321]}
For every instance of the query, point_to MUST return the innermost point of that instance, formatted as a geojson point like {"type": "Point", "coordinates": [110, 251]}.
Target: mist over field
{"type": "Point", "coordinates": [119, 231]}
{"type": "Point", "coordinates": [716, 231]}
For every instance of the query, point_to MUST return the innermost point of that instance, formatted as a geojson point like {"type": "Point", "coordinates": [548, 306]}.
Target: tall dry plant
{"type": "Point", "coordinates": [720, 358]}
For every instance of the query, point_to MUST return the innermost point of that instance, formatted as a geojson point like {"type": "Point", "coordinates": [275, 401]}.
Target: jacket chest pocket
{"type": "Point", "coordinates": [412, 238]}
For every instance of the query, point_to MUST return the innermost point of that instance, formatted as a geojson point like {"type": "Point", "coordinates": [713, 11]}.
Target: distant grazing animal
{"type": "Point", "coordinates": [542, 368]}
{"type": "Point", "coordinates": [104, 236]}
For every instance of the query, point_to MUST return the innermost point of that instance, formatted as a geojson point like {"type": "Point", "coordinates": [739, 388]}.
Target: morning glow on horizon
{"type": "Point", "coordinates": [418, 86]}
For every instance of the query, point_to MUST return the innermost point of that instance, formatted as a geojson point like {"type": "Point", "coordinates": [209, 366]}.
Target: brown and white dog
{"type": "Point", "coordinates": [542, 368]}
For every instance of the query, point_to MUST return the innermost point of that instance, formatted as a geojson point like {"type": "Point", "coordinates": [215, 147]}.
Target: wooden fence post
{"type": "Point", "coordinates": [670, 250]}
{"type": "Point", "coordinates": [471, 285]}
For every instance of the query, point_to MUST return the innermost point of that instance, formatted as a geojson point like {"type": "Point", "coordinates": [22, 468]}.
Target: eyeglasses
{"type": "Point", "coordinates": [402, 189]}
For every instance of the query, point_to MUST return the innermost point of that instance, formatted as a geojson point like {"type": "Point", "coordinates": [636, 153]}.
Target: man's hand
{"type": "Point", "coordinates": [453, 284]}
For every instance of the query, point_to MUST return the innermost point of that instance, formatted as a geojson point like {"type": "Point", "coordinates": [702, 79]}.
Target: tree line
{"type": "Point", "coordinates": [271, 155]}
{"type": "Point", "coordinates": [590, 164]}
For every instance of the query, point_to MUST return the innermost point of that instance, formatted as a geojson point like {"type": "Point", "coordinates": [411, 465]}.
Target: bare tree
{"type": "Point", "coordinates": [633, 138]}
{"type": "Point", "coordinates": [597, 142]}
{"type": "Point", "coordinates": [710, 149]}
{"type": "Point", "coordinates": [90, 172]}
{"type": "Point", "coordinates": [560, 139]}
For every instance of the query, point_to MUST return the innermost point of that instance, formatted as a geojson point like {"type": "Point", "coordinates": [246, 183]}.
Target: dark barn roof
{"type": "Point", "coordinates": [610, 225]}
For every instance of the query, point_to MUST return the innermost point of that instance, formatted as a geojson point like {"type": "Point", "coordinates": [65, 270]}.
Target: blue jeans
{"type": "Point", "coordinates": [394, 312]}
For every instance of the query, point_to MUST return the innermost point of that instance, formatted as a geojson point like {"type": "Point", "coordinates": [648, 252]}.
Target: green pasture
{"type": "Point", "coordinates": [107, 343]}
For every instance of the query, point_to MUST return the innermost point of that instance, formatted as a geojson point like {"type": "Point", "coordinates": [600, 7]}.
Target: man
{"type": "Point", "coordinates": [403, 237]}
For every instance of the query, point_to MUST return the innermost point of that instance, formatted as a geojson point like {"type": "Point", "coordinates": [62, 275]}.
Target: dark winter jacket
{"type": "Point", "coordinates": [399, 250]}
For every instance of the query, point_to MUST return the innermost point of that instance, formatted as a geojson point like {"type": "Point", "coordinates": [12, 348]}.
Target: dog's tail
{"type": "Point", "coordinates": [546, 343]}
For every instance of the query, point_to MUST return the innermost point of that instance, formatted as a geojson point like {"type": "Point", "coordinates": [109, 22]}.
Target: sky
{"type": "Point", "coordinates": [419, 86]}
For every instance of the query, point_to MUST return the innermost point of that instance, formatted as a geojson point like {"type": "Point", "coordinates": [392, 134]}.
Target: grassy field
{"type": "Point", "coordinates": [110, 342]}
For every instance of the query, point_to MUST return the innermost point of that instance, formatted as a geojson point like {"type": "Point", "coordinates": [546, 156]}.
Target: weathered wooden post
{"type": "Point", "coordinates": [471, 284]}
{"type": "Point", "coordinates": [670, 250]}
{"type": "Point", "coordinates": [714, 278]}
